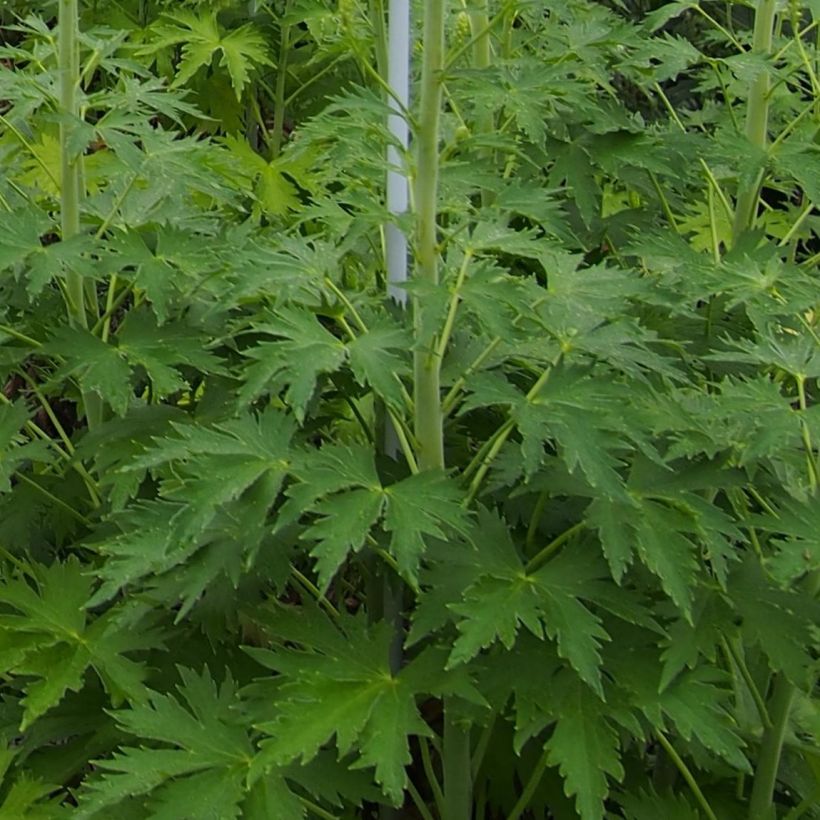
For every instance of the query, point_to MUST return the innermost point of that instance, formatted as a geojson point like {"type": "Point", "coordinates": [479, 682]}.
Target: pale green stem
{"type": "Point", "coordinates": [771, 745]}
{"type": "Point", "coordinates": [757, 115]}
{"type": "Point", "coordinates": [279, 98]}
{"type": "Point", "coordinates": [53, 498]}
{"type": "Point", "coordinates": [804, 215]}
{"type": "Point", "coordinates": [31, 149]}
{"type": "Point", "coordinates": [476, 35]}
{"type": "Point", "coordinates": [735, 656]}
{"type": "Point", "coordinates": [377, 18]}
{"type": "Point", "coordinates": [458, 784]}
{"type": "Point", "coordinates": [21, 337]}
{"type": "Point", "coordinates": [451, 399]}
{"type": "Point", "coordinates": [68, 49]}
{"type": "Point", "coordinates": [484, 458]}
{"type": "Point", "coordinates": [427, 365]}
{"type": "Point", "coordinates": [480, 27]}
{"type": "Point", "coordinates": [420, 805]}
{"type": "Point", "coordinates": [452, 310]}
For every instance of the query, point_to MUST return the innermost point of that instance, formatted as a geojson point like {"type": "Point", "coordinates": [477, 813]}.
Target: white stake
{"type": "Point", "coordinates": [398, 78]}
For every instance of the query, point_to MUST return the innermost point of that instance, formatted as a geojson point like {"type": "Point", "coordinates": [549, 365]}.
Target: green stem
{"type": "Point", "coordinates": [21, 337]}
{"type": "Point", "coordinates": [455, 298]}
{"type": "Point", "coordinates": [279, 98]}
{"type": "Point", "coordinates": [53, 498]}
{"type": "Point", "coordinates": [481, 748]}
{"type": "Point", "coordinates": [484, 458]}
{"type": "Point", "coordinates": [757, 116]}
{"type": "Point", "coordinates": [529, 790]}
{"type": "Point", "coordinates": [425, 813]}
{"type": "Point", "coordinates": [427, 365]}
{"type": "Point", "coordinates": [735, 655]}
{"type": "Point", "coordinates": [380, 39]}
{"type": "Point", "coordinates": [458, 783]}
{"type": "Point", "coordinates": [537, 560]}
{"type": "Point", "coordinates": [771, 745]}
{"type": "Point", "coordinates": [430, 774]}
{"type": "Point", "coordinates": [451, 399]}
{"type": "Point", "coordinates": [68, 48]}
{"type": "Point", "coordinates": [480, 27]}
{"type": "Point", "coordinates": [687, 776]}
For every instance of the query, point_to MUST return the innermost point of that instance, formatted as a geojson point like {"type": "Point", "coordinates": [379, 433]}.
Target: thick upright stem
{"type": "Point", "coordinates": [458, 796]}
{"type": "Point", "coordinates": [771, 745]}
{"type": "Point", "coordinates": [71, 187]}
{"type": "Point", "coordinates": [768, 762]}
{"type": "Point", "coordinates": [480, 28]}
{"type": "Point", "coordinates": [69, 65]}
{"type": "Point", "coordinates": [279, 102]}
{"type": "Point", "coordinates": [757, 116]}
{"type": "Point", "coordinates": [427, 366]}
{"type": "Point", "coordinates": [482, 60]}
{"type": "Point", "coordinates": [458, 783]}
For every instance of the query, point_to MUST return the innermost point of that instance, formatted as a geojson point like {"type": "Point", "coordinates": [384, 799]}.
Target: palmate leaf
{"type": "Point", "coordinates": [51, 639]}
{"type": "Point", "coordinates": [106, 368]}
{"type": "Point", "coordinates": [342, 686]}
{"type": "Point", "coordinates": [305, 351]}
{"type": "Point", "coordinates": [216, 465]}
{"type": "Point", "coordinates": [780, 621]}
{"type": "Point", "coordinates": [341, 486]}
{"type": "Point", "coordinates": [14, 450]}
{"type": "Point", "coordinates": [547, 602]}
{"type": "Point", "coordinates": [201, 769]}
{"type": "Point", "coordinates": [695, 702]}
{"type": "Point", "coordinates": [379, 358]}
{"type": "Point", "coordinates": [241, 50]}
{"type": "Point", "coordinates": [662, 536]}
{"type": "Point", "coordinates": [164, 271]}
{"type": "Point", "coordinates": [56, 259]}
{"type": "Point", "coordinates": [574, 411]}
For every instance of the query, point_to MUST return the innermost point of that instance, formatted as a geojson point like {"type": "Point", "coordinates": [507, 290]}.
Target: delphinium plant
{"type": "Point", "coordinates": [583, 581]}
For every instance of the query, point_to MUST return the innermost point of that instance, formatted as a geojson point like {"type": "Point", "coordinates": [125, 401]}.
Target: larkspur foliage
{"type": "Point", "coordinates": [223, 596]}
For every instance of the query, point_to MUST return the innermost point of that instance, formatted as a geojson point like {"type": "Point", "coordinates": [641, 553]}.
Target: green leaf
{"type": "Point", "coordinates": [59, 641]}
{"type": "Point", "coordinates": [202, 766]}
{"type": "Point", "coordinates": [547, 603]}
{"type": "Point", "coordinates": [584, 746]}
{"type": "Point", "coordinates": [660, 535]}
{"type": "Point", "coordinates": [419, 508]}
{"type": "Point", "coordinates": [379, 358]}
{"type": "Point", "coordinates": [99, 367]}
{"type": "Point", "coordinates": [344, 689]}
{"type": "Point", "coordinates": [346, 521]}
{"type": "Point", "coordinates": [306, 350]}
{"type": "Point", "coordinates": [777, 620]}
{"type": "Point", "coordinates": [241, 49]}
{"type": "Point", "coordinates": [651, 805]}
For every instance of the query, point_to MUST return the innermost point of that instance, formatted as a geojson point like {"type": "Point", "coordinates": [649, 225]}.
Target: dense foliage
{"type": "Point", "coordinates": [236, 577]}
